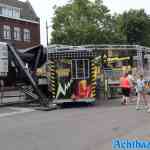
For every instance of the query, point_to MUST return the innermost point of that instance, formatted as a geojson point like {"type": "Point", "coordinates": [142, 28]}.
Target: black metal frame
{"type": "Point", "coordinates": [42, 98]}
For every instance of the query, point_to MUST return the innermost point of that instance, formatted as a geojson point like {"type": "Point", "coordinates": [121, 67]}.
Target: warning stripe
{"type": "Point", "coordinates": [93, 78]}
{"type": "Point", "coordinates": [53, 92]}
{"type": "Point", "coordinates": [53, 86]}
{"type": "Point", "coordinates": [52, 78]}
{"type": "Point", "coordinates": [53, 74]}
{"type": "Point", "coordinates": [53, 81]}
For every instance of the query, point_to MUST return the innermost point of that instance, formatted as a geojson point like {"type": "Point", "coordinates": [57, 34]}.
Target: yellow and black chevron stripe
{"type": "Point", "coordinates": [52, 78]}
{"type": "Point", "coordinates": [93, 77]}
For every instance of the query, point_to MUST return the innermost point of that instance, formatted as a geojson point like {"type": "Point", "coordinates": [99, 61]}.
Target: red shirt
{"type": "Point", "coordinates": [124, 82]}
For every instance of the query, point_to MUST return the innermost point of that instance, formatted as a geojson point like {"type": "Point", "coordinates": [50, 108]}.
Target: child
{"type": "Point", "coordinates": [141, 92]}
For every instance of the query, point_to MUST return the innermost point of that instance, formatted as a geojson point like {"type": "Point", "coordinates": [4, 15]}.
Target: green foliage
{"type": "Point", "coordinates": [83, 22]}
{"type": "Point", "coordinates": [135, 25]}
{"type": "Point", "coordinates": [118, 36]}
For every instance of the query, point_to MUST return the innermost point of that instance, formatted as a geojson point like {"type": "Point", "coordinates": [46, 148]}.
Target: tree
{"type": "Point", "coordinates": [136, 27]}
{"type": "Point", "coordinates": [82, 22]}
{"type": "Point", "coordinates": [118, 36]}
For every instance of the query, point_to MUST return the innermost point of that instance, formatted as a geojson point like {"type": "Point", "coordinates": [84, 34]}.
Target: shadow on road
{"type": "Point", "coordinates": [76, 105]}
{"type": "Point", "coordinates": [99, 103]}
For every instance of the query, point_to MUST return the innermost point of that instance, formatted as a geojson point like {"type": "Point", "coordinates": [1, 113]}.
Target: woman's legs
{"type": "Point", "coordinates": [123, 96]}
{"type": "Point", "coordinates": [123, 99]}
{"type": "Point", "coordinates": [127, 98]}
{"type": "Point", "coordinates": [126, 95]}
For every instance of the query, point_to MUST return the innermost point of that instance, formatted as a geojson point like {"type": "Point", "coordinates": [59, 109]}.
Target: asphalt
{"type": "Point", "coordinates": [72, 128]}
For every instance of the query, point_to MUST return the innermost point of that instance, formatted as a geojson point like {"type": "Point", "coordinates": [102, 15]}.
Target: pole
{"type": "Point", "coordinates": [46, 32]}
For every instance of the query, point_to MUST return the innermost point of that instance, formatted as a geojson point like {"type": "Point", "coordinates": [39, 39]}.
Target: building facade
{"type": "Point", "coordinates": [19, 24]}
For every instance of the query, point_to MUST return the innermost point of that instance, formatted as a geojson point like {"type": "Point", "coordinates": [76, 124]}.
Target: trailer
{"type": "Point", "coordinates": [72, 70]}
{"type": "Point", "coordinates": [71, 74]}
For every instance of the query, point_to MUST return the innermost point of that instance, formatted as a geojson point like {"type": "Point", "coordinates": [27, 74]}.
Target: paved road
{"type": "Point", "coordinates": [82, 128]}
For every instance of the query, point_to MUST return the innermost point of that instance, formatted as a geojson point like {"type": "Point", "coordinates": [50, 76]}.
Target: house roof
{"type": "Point", "coordinates": [27, 11]}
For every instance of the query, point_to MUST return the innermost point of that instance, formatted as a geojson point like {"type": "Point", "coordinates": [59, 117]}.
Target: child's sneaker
{"type": "Point", "coordinates": [137, 108]}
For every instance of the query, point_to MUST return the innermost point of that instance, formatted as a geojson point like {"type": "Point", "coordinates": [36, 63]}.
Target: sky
{"type": "Point", "coordinates": [44, 9]}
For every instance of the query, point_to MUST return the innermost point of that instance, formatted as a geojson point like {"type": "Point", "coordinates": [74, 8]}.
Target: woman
{"type": "Point", "coordinates": [126, 86]}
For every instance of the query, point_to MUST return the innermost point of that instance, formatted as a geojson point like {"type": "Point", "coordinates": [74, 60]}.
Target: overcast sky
{"type": "Point", "coordinates": [44, 9]}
